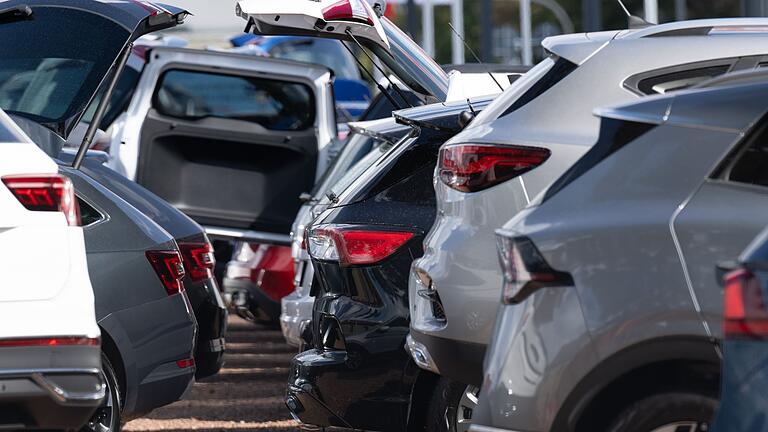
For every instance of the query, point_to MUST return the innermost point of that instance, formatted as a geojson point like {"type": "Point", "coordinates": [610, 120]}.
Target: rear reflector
{"type": "Point", "coordinates": [198, 260]}
{"type": "Point", "coordinates": [348, 10]}
{"type": "Point", "coordinates": [169, 269]}
{"type": "Point", "coordinates": [474, 167]}
{"type": "Point", "coordinates": [46, 193]}
{"type": "Point", "coordinates": [186, 363]}
{"type": "Point", "coordinates": [53, 341]}
{"type": "Point", "coordinates": [355, 246]}
{"type": "Point", "coordinates": [746, 315]}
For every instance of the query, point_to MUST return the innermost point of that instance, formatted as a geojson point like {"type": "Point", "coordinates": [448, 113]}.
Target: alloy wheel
{"type": "Point", "coordinates": [467, 404]}
{"type": "Point", "coordinates": [106, 416]}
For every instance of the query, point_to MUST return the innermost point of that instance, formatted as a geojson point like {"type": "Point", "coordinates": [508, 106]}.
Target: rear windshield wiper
{"type": "Point", "coordinates": [15, 13]}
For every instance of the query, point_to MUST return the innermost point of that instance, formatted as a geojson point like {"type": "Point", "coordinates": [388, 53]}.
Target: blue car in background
{"type": "Point", "coordinates": [744, 400]}
{"type": "Point", "coordinates": [352, 92]}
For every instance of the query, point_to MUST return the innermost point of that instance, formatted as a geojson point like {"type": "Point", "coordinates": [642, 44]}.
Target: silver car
{"type": "Point", "coordinates": [527, 138]}
{"type": "Point", "coordinates": [612, 310]}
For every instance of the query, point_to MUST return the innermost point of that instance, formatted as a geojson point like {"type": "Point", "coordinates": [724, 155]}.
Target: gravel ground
{"type": "Point", "coordinates": [247, 395]}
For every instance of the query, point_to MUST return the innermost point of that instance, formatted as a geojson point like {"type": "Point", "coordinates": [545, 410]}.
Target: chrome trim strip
{"type": "Point", "coordinates": [480, 428]}
{"type": "Point", "coordinates": [255, 236]}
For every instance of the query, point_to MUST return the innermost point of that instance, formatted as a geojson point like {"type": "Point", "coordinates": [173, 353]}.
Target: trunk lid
{"type": "Point", "coordinates": [52, 79]}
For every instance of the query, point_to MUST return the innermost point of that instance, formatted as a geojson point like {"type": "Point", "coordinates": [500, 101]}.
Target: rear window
{"type": "Point", "coordinates": [326, 52]}
{"type": "Point", "coordinates": [747, 165]}
{"type": "Point", "coordinates": [49, 76]}
{"type": "Point", "coordinates": [531, 85]}
{"type": "Point", "coordinates": [668, 82]}
{"type": "Point", "coordinates": [273, 104]}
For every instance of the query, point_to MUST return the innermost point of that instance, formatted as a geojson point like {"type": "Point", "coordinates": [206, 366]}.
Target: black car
{"type": "Point", "coordinates": [358, 374]}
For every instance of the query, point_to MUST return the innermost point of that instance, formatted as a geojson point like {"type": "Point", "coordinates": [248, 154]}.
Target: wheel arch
{"type": "Point", "coordinates": [665, 363]}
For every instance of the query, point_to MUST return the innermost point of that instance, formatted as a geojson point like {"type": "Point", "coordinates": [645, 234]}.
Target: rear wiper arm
{"type": "Point", "coordinates": [15, 13]}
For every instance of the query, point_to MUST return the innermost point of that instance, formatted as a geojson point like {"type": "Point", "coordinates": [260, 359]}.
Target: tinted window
{"type": "Point", "coordinates": [750, 164]}
{"type": "Point", "coordinates": [664, 83]}
{"type": "Point", "coordinates": [53, 62]}
{"type": "Point", "coordinates": [88, 214]}
{"type": "Point", "coordinates": [273, 104]}
{"type": "Point", "coordinates": [326, 52]}
{"type": "Point", "coordinates": [121, 97]}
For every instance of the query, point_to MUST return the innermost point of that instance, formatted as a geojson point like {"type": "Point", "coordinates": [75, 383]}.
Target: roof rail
{"type": "Point", "coordinates": [703, 27]}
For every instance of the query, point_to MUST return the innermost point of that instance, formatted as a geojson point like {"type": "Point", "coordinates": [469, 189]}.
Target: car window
{"type": "Point", "coordinates": [50, 78]}
{"type": "Point", "coordinates": [326, 52]}
{"type": "Point", "coordinates": [519, 90]}
{"type": "Point", "coordinates": [273, 104]}
{"type": "Point", "coordinates": [88, 214]}
{"type": "Point", "coordinates": [668, 82]}
{"type": "Point", "coordinates": [749, 163]}
{"type": "Point", "coordinates": [121, 97]}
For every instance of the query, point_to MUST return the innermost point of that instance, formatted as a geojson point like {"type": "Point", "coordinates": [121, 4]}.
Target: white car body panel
{"type": "Point", "coordinates": [47, 289]}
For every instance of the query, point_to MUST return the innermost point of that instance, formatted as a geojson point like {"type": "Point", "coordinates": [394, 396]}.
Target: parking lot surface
{"type": "Point", "coordinates": [247, 395]}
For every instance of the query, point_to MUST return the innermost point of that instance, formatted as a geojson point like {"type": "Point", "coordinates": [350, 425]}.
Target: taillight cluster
{"type": "Point", "coordinates": [474, 167]}
{"type": "Point", "coordinates": [47, 193]}
{"type": "Point", "coordinates": [348, 10]}
{"type": "Point", "coordinates": [746, 315]}
{"type": "Point", "coordinates": [198, 260]}
{"type": "Point", "coordinates": [169, 269]}
{"type": "Point", "coordinates": [354, 246]}
{"type": "Point", "coordinates": [525, 270]}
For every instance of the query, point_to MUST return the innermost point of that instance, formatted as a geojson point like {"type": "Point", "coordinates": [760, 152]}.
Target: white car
{"type": "Point", "coordinates": [50, 348]}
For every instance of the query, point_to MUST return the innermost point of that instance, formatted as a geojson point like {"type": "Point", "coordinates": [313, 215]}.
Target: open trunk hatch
{"type": "Point", "coordinates": [57, 53]}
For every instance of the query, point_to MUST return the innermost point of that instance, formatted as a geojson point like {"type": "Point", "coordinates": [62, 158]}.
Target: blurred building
{"type": "Point", "coordinates": [212, 24]}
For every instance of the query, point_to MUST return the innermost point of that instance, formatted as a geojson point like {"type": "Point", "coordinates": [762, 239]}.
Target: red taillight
{"type": "Point", "coordinates": [169, 269]}
{"type": "Point", "coordinates": [354, 246]}
{"type": "Point", "coordinates": [46, 192]}
{"type": "Point", "coordinates": [52, 341]}
{"type": "Point", "coordinates": [348, 10]}
{"type": "Point", "coordinates": [746, 315]}
{"type": "Point", "coordinates": [186, 363]}
{"type": "Point", "coordinates": [474, 167]}
{"type": "Point", "coordinates": [198, 260]}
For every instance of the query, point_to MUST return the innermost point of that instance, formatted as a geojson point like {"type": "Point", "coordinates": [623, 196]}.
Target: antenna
{"type": "Point", "coordinates": [634, 22]}
{"type": "Point", "coordinates": [471, 51]}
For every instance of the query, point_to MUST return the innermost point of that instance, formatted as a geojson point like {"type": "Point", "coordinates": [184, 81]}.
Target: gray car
{"type": "Point", "coordinates": [611, 309]}
{"type": "Point", "coordinates": [528, 137]}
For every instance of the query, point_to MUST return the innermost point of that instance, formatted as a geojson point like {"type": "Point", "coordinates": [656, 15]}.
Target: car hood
{"type": "Point", "coordinates": [51, 79]}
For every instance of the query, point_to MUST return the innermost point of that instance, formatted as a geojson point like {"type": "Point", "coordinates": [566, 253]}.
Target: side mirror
{"type": "Point", "coordinates": [465, 118]}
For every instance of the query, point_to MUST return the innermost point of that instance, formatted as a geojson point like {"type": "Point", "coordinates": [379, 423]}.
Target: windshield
{"type": "Point", "coordinates": [501, 104]}
{"type": "Point", "coordinates": [411, 64]}
{"type": "Point", "coordinates": [326, 52]}
{"type": "Point", "coordinates": [47, 73]}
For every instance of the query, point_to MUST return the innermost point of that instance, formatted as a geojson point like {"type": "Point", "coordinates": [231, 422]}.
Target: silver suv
{"type": "Point", "coordinates": [527, 138]}
{"type": "Point", "coordinates": [612, 309]}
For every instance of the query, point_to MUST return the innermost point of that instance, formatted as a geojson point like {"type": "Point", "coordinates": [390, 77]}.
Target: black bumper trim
{"type": "Point", "coordinates": [457, 360]}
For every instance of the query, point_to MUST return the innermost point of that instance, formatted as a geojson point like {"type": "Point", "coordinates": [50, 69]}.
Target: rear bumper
{"type": "Point", "coordinates": [454, 359]}
{"type": "Point", "coordinates": [338, 388]}
{"type": "Point", "coordinates": [49, 387]}
{"type": "Point", "coordinates": [211, 316]}
{"type": "Point", "coordinates": [296, 315]}
{"type": "Point", "coordinates": [163, 386]}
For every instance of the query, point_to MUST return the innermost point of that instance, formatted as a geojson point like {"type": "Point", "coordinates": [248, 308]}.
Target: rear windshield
{"type": "Point", "coordinates": [411, 64]}
{"type": "Point", "coordinates": [532, 84]}
{"type": "Point", "coordinates": [326, 52]}
{"type": "Point", "coordinates": [273, 104]}
{"type": "Point", "coordinates": [53, 62]}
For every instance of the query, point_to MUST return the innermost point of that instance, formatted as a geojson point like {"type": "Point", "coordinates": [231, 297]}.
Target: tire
{"type": "Point", "coordinates": [451, 406]}
{"type": "Point", "coordinates": [667, 412]}
{"type": "Point", "coordinates": [107, 417]}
